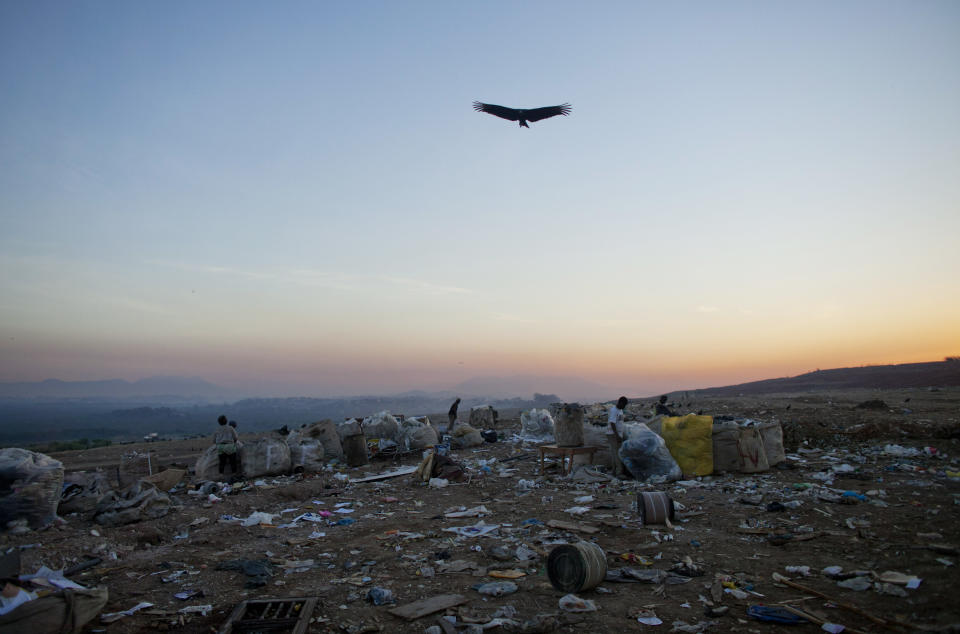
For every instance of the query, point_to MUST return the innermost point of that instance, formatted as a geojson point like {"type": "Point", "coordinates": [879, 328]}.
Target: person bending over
{"type": "Point", "coordinates": [615, 435]}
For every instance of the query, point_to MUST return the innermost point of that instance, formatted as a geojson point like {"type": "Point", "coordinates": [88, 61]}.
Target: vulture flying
{"type": "Point", "coordinates": [521, 115]}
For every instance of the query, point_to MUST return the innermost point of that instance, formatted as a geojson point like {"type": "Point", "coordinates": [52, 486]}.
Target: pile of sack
{"type": "Point", "coordinates": [381, 429]}
{"type": "Point", "coordinates": [30, 485]}
{"type": "Point", "coordinates": [417, 433]}
{"type": "Point", "coordinates": [747, 446]}
{"type": "Point", "coordinates": [483, 417]}
{"type": "Point", "coordinates": [668, 448]}
{"type": "Point", "coordinates": [263, 456]}
{"type": "Point", "coordinates": [81, 492]}
{"type": "Point", "coordinates": [311, 447]}
{"type": "Point", "coordinates": [91, 496]}
{"type": "Point", "coordinates": [463, 436]}
{"type": "Point", "coordinates": [142, 500]}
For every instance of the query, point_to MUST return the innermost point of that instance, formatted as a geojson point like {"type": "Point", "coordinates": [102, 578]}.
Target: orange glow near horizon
{"type": "Point", "coordinates": [377, 366]}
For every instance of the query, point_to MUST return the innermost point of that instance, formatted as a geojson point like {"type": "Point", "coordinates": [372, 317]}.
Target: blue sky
{"type": "Point", "coordinates": [299, 195]}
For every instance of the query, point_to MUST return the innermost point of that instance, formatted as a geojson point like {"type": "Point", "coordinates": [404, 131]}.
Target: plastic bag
{"type": "Point", "coordinates": [463, 436]}
{"type": "Point", "coordinates": [133, 466]}
{"type": "Point", "coordinates": [312, 446]}
{"type": "Point", "coordinates": [753, 458]}
{"type": "Point", "coordinates": [347, 428]}
{"type": "Point", "coordinates": [140, 501]}
{"type": "Point", "coordinates": [595, 436]}
{"type": "Point", "coordinates": [416, 433]}
{"type": "Point", "coordinates": [536, 424]}
{"type": "Point", "coordinates": [30, 486]}
{"type": "Point", "coordinates": [381, 425]}
{"type": "Point", "coordinates": [62, 612]}
{"type": "Point", "coordinates": [306, 453]}
{"type": "Point", "coordinates": [483, 417]}
{"type": "Point", "coordinates": [726, 442]}
{"type": "Point", "coordinates": [265, 455]}
{"type": "Point", "coordinates": [646, 457]}
{"type": "Point", "coordinates": [81, 492]}
{"type": "Point", "coordinates": [325, 432]}
{"type": "Point", "coordinates": [208, 465]}
{"type": "Point", "coordinates": [772, 435]}
{"type": "Point", "coordinates": [689, 439]}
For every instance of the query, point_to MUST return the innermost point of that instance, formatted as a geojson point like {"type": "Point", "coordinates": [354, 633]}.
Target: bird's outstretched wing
{"type": "Point", "coordinates": [536, 114]}
{"type": "Point", "coordinates": [499, 111]}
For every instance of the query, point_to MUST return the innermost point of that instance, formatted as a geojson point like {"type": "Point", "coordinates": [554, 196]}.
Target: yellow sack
{"type": "Point", "coordinates": [690, 441]}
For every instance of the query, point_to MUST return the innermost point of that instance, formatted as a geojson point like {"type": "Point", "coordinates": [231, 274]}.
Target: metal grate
{"type": "Point", "coordinates": [289, 616]}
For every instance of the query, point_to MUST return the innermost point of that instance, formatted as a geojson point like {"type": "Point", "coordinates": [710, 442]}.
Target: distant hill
{"type": "Point", "coordinates": [174, 388]}
{"type": "Point", "coordinates": [906, 375]}
{"type": "Point", "coordinates": [32, 421]}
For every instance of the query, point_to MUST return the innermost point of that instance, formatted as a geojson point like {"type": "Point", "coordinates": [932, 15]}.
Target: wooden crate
{"type": "Point", "coordinates": [276, 616]}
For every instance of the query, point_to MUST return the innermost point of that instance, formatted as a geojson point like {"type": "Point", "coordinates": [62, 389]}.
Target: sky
{"type": "Point", "coordinates": [298, 198]}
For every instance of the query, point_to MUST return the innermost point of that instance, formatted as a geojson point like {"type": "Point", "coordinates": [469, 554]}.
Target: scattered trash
{"type": "Point", "coordinates": [116, 616]}
{"type": "Point", "coordinates": [497, 588]}
{"type": "Point", "coordinates": [142, 500]}
{"type": "Point", "coordinates": [857, 584]}
{"type": "Point", "coordinates": [647, 617]}
{"type": "Point", "coordinates": [380, 596]}
{"type": "Point", "coordinates": [258, 518]}
{"type": "Point", "coordinates": [477, 511]}
{"type": "Point", "coordinates": [573, 603]}
{"type": "Point", "coordinates": [258, 572]}
{"type": "Point", "coordinates": [774, 615]}
{"type": "Point", "coordinates": [479, 529]}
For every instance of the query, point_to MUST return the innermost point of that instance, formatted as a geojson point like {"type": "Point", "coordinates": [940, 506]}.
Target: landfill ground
{"type": "Point", "coordinates": [902, 515]}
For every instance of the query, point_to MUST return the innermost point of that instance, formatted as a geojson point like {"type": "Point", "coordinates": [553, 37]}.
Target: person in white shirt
{"type": "Point", "coordinates": [226, 441]}
{"type": "Point", "coordinates": [615, 435]}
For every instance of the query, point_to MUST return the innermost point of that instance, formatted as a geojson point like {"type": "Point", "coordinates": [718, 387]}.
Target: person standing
{"type": "Point", "coordinates": [452, 414]}
{"type": "Point", "coordinates": [615, 435]}
{"type": "Point", "coordinates": [233, 424]}
{"type": "Point", "coordinates": [226, 441]}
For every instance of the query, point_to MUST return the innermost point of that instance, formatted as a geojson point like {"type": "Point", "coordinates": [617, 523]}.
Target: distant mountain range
{"type": "Point", "coordinates": [188, 390]}
{"type": "Point", "coordinates": [174, 389]}
{"type": "Point", "coordinates": [179, 406]}
{"type": "Point", "coordinates": [157, 388]}
{"type": "Point", "coordinates": [907, 375]}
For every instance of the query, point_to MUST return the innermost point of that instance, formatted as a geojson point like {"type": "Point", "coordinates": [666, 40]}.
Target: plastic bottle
{"type": "Point", "coordinates": [380, 596]}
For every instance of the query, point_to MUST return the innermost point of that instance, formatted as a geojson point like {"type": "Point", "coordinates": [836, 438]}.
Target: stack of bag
{"type": "Point", "coordinates": [699, 447]}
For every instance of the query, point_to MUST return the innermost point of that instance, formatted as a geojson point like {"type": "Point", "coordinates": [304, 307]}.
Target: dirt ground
{"type": "Point", "coordinates": [906, 521]}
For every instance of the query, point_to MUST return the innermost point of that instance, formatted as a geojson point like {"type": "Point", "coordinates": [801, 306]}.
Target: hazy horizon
{"type": "Point", "coordinates": [504, 387]}
{"type": "Point", "coordinates": [298, 194]}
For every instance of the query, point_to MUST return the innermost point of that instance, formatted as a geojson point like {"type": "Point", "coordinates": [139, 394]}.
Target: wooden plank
{"type": "Point", "coordinates": [388, 474]}
{"type": "Point", "coordinates": [300, 620]}
{"type": "Point", "coordinates": [305, 614]}
{"type": "Point", "coordinates": [423, 607]}
{"type": "Point", "coordinates": [580, 527]}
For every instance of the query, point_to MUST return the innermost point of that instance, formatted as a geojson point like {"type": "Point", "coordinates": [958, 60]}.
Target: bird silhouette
{"type": "Point", "coordinates": [521, 114]}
